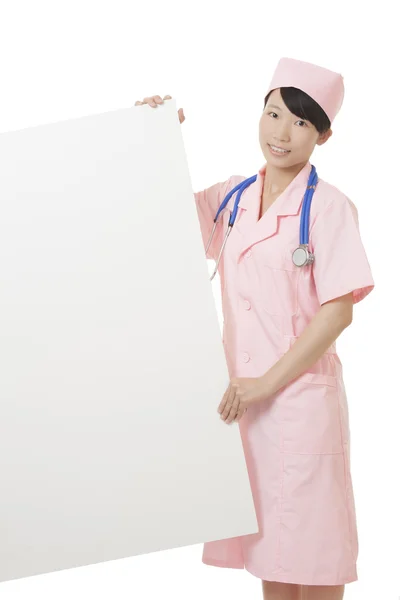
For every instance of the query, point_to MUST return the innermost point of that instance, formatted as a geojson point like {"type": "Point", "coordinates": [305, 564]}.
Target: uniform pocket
{"type": "Point", "coordinates": [310, 415]}
{"type": "Point", "coordinates": [280, 286]}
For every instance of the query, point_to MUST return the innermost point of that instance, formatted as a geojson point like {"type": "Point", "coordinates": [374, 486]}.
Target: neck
{"type": "Point", "coordinates": [277, 179]}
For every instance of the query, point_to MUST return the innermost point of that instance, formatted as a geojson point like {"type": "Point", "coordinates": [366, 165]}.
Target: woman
{"type": "Point", "coordinates": [280, 325]}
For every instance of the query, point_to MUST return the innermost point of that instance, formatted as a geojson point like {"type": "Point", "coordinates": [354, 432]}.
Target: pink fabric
{"type": "Point", "coordinates": [296, 444]}
{"type": "Point", "coordinates": [324, 86]}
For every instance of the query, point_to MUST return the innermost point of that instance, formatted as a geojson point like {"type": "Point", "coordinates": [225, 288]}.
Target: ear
{"type": "Point", "coordinates": [324, 137]}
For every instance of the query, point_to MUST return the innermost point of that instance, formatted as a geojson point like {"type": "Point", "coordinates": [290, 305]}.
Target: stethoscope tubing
{"type": "Point", "coordinates": [304, 218]}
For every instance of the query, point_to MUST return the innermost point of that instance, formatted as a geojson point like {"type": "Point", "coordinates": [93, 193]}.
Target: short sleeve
{"type": "Point", "coordinates": [207, 204]}
{"type": "Point", "coordinates": [340, 265]}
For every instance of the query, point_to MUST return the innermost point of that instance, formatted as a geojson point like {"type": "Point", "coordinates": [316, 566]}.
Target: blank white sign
{"type": "Point", "coordinates": [111, 359]}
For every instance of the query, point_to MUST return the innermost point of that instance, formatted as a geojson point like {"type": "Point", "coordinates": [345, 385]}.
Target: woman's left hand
{"type": "Point", "coordinates": [240, 394]}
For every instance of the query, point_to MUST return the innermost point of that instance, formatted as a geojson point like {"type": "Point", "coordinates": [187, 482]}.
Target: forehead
{"type": "Point", "coordinates": [275, 100]}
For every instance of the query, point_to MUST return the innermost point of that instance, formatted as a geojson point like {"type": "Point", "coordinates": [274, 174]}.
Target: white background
{"type": "Point", "coordinates": [61, 60]}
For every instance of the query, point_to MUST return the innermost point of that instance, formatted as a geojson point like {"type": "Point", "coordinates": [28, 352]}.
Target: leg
{"type": "Point", "coordinates": [274, 590]}
{"type": "Point", "coordinates": [322, 592]}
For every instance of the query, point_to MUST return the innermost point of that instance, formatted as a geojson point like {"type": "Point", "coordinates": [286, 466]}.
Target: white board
{"type": "Point", "coordinates": [111, 359]}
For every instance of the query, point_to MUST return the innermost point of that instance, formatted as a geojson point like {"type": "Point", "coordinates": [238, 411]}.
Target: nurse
{"type": "Point", "coordinates": [281, 323]}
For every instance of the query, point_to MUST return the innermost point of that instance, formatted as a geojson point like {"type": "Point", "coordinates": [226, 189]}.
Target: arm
{"type": "Point", "coordinates": [207, 203]}
{"type": "Point", "coordinates": [342, 277]}
{"type": "Point", "coordinates": [328, 323]}
{"type": "Point", "coordinates": [331, 319]}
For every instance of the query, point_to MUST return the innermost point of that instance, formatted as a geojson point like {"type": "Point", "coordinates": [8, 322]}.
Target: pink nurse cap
{"type": "Point", "coordinates": [324, 86]}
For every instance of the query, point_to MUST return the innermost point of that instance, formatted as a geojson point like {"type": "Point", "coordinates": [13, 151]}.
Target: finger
{"type": "Point", "coordinates": [138, 103]}
{"type": "Point", "coordinates": [240, 413]}
{"type": "Point", "coordinates": [149, 100]}
{"type": "Point", "coordinates": [224, 399]}
{"type": "Point", "coordinates": [229, 401]}
{"type": "Point", "coordinates": [241, 395]}
{"type": "Point", "coordinates": [158, 99]}
{"type": "Point", "coordinates": [234, 410]}
{"type": "Point", "coordinates": [224, 408]}
{"type": "Point", "coordinates": [238, 416]}
{"type": "Point", "coordinates": [167, 98]}
{"type": "Point", "coordinates": [223, 402]}
{"type": "Point", "coordinates": [236, 406]}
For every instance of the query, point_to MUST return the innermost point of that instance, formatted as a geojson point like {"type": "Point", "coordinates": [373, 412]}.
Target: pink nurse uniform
{"type": "Point", "coordinates": [297, 443]}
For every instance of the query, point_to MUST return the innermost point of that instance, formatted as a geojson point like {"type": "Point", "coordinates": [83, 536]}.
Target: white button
{"type": "Point", "coordinates": [248, 254]}
{"type": "Point", "coordinates": [247, 305]}
{"type": "Point", "coordinates": [246, 357]}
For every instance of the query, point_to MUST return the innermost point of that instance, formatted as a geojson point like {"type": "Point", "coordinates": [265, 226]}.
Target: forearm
{"type": "Point", "coordinates": [320, 333]}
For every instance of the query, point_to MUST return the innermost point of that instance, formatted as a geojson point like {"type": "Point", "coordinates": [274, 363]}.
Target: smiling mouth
{"type": "Point", "coordinates": [279, 150]}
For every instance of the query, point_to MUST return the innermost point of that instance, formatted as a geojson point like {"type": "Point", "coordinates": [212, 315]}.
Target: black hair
{"type": "Point", "coordinates": [303, 106]}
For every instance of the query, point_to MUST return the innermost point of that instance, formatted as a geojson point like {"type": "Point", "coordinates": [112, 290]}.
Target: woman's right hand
{"type": "Point", "coordinates": [154, 101]}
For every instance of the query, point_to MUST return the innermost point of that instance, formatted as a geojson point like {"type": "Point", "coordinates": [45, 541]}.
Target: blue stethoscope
{"type": "Point", "coordinates": [301, 256]}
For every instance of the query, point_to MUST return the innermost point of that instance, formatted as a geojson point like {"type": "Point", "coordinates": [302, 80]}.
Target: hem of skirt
{"type": "Point", "coordinates": [221, 563]}
{"type": "Point", "coordinates": [281, 578]}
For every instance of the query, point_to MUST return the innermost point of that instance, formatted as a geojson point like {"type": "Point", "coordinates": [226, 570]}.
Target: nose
{"type": "Point", "coordinates": [281, 133]}
{"type": "Point", "coordinates": [280, 137]}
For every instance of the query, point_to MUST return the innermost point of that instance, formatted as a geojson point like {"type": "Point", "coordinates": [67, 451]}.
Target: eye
{"type": "Point", "coordinates": [300, 120]}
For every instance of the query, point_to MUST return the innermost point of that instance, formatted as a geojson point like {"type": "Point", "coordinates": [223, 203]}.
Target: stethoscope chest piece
{"type": "Point", "coordinates": [302, 256]}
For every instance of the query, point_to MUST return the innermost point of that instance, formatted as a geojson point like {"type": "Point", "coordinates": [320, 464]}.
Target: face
{"type": "Point", "coordinates": [279, 127]}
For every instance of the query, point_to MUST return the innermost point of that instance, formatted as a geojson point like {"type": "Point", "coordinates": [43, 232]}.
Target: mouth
{"type": "Point", "coordinates": [277, 150]}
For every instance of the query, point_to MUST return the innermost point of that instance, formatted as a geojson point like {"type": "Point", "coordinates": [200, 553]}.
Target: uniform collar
{"type": "Point", "coordinates": [287, 203]}
{"type": "Point", "coordinates": [253, 230]}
